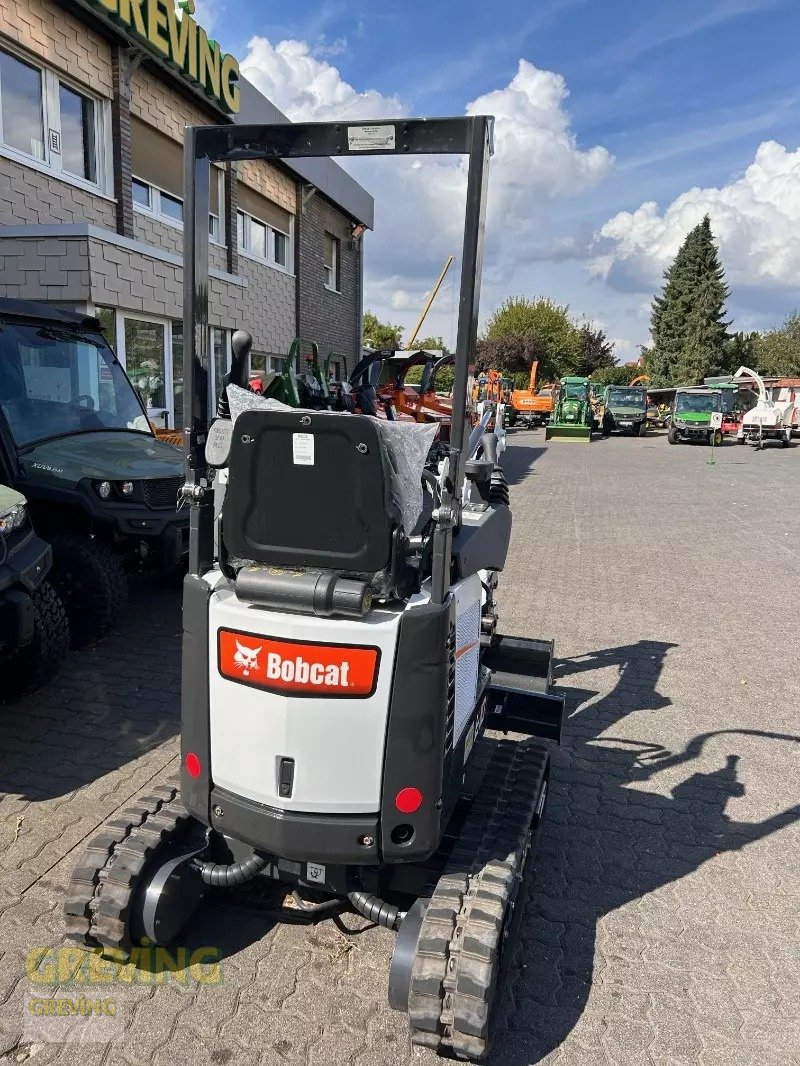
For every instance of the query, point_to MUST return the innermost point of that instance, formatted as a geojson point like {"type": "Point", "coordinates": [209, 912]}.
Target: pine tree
{"type": "Point", "coordinates": [688, 318]}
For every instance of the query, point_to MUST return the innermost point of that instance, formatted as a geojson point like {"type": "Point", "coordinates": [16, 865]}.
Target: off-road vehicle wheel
{"type": "Point", "coordinates": [716, 438]}
{"type": "Point", "coordinates": [28, 668]}
{"type": "Point", "coordinates": [92, 583]}
{"type": "Point", "coordinates": [642, 429]}
{"type": "Point", "coordinates": [673, 436]}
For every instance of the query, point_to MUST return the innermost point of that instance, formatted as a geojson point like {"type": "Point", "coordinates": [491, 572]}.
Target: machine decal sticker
{"type": "Point", "coordinates": [246, 659]}
{"type": "Point", "coordinates": [298, 668]}
{"type": "Point", "coordinates": [303, 449]}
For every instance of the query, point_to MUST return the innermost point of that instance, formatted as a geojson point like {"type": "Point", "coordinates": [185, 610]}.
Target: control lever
{"type": "Point", "coordinates": [241, 343]}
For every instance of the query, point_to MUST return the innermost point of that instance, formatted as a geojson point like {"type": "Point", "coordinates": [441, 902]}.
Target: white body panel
{"type": "Point", "coordinates": [337, 743]}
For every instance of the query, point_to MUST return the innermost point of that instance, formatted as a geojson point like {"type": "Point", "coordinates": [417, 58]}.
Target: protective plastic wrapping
{"type": "Point", "coordinates": [406, 444]}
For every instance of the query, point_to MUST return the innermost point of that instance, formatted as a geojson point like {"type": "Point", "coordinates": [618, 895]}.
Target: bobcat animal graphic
{"type": "Point", "coordinates": [246, 659]}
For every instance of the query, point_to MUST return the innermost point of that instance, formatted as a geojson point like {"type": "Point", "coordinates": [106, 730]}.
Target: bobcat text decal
{"type": "Point", "coordinates": [296, 668]}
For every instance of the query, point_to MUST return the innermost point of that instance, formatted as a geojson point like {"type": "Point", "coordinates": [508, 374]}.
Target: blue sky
{"type": "Point", "coordinates": [619, 104]}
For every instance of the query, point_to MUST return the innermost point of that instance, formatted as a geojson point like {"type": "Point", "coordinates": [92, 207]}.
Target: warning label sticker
{"type": "Point", "coordinates": [303, 449]}
{"type": "Point", "coordinates": [370, 138]}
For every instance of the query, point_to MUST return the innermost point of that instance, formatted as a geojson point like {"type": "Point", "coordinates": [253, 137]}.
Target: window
{"type": "Point", "coordinates": [46, 119]}
{"type": "Point", "coordinates": [331, 262]}
{"type": "Point", "coordinates": [77, 136]}
{"type": "Point", "coordinates": [145, 361]}
{"type": "Point", "coordinates": [157, 185]}
{"type": "Point", "coordinates": [23, 109]}
{"type": "Point", "coordinates": [264, 241]}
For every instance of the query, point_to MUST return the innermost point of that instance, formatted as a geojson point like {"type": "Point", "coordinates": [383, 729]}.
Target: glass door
{"type": "Point", "coordinates": [146, 364]}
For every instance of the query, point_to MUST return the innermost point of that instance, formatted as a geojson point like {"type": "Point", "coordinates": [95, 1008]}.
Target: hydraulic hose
{"type": "Point", "coordinates": [376, 910]}
{"type": "Point", "coordinates": [236, 873]}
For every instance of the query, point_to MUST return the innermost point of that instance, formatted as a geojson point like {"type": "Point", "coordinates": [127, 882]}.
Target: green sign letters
{"type": "Point", "coordinates": [183, 43]}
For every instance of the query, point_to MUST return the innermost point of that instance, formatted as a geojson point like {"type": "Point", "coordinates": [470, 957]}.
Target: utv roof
{"type": "Point", "coordinates": [574, 381]}
{"type": "Point", "coordinates": [49, 312]}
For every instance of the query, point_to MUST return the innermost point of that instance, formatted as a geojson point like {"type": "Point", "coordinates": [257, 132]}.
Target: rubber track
{"type": "Point", "coordinates": [101, 890]}
{"type": "Point", "coordinates": [457, 963]}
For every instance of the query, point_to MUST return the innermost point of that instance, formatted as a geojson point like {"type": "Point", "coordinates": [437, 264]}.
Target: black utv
{"type": "Point", "coordinates": [76, 441]}
{"type": "Point", "coordinates": [34, 632]}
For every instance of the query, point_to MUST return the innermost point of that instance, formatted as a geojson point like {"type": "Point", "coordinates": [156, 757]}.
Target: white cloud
{"type": "Point", "coordinates": [756, 220]}
{"type": "Point", "coordinates": [419, 202]}
{"type": "Point", "coordinates": [306, 87]}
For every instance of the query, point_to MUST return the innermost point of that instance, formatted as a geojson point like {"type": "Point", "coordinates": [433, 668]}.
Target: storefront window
{"type": "Point", "coordinates": [219, 346]}
{"type": "Point", "coordinates": [177, 372]}
{"type": "Point", "coordinates": [108, 324]}
{"type": "Point", "coordinates": [146, 363]}
{"type": "Point", "coordinates": [21, 89]}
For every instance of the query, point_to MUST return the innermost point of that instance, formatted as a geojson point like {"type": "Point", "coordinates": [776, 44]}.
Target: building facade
{"type": "Point", "coordinates": [91, 196]}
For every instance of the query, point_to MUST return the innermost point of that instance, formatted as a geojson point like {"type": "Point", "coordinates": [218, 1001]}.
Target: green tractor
{"type": "Point", "coordinates": [307, 389]}
{"type": "Point", "coordinates": [573, 418]}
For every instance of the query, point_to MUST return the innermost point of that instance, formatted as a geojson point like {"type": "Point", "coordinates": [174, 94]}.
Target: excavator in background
{"type": "Point", "coordinates": [529, 407]}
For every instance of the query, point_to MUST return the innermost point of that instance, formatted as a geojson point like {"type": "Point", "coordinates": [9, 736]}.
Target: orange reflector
{"type": "Point", "coordinates": [408, 800]}
{"type": "Point", "coordinates": [193, 767]}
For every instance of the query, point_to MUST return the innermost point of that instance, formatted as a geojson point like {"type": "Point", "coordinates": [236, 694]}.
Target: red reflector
{"type": "Point", "coordinates": [408, 800]}
{"type": "Point", "coordinates": [192, 764]}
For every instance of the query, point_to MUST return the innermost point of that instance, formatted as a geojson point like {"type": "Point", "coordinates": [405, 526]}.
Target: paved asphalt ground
{"type": "Point", "coordinates": [662, 923]}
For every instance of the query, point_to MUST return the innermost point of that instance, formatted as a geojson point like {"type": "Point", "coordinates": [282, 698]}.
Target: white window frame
{"type": "Point", "coordinates": [154, 208]}
{"type": "Point", "coordinates": [51, 81]}
{"type": "Point", "coordinates": [334, 270]}
{"type": "Point", "coordinates": [270, 260]}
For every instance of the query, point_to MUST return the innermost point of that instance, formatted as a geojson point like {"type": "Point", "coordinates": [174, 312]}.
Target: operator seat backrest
{"type": "Point", "coordinates": [309, 489]}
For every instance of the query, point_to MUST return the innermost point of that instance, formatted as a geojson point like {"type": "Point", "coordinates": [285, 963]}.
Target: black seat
{"type": "Point", "coordinates": [309, 489]}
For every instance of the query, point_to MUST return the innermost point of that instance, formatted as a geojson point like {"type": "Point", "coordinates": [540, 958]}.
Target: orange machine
{"type": "Point", "coordinates": [530, 407]}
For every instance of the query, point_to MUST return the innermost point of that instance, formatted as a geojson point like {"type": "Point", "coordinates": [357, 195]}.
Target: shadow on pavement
{"type": "Point", "coordinates": [604, 845]}
{"type": "Point", "coordinates": [518, 459]}
{"type": "Point", "coordinates": [109, 704]}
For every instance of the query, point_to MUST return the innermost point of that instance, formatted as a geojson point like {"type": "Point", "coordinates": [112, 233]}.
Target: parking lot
{"type": "Point", "coordinates": [662, 922]}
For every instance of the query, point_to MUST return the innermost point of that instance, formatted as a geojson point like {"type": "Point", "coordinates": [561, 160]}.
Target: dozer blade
{"type": "Point", "coordinates": [568, 432]}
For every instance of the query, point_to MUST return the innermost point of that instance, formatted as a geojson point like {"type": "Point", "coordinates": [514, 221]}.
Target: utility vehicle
{"type": "Point", "coordinates": [76, 441]}
{"type": "Point", "coordinates": [34, 631]}
{"type": "Point", "coordinates": [625, 410]}
{"type": "Point", "coordinates": [337, 688]}
{"type": "Point", "coordinates": [691, 416]}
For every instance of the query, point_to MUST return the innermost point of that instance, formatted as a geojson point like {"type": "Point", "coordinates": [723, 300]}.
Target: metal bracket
{"type": "Point", "coordinates": [308, 194]}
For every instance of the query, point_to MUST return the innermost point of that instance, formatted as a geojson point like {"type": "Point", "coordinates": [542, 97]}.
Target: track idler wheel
{"type": "Point", "coordinates": [136, 877]}
{"type": "Point", "coordinates": [448, 964]}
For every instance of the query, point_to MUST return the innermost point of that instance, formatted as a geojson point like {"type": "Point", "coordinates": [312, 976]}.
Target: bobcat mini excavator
{"type": "Point", "coordinates": [342, 713]}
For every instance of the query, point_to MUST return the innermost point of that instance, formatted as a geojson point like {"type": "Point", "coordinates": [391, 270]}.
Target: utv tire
{"type": "Point", "coordinates": [672, 436]}
{"type": "Point", "coordinates": [716, 438]}
{"type": "Point", "coordinates": [92, 583]}
{"type": "Point", "coordinates": [642, 429]}
{"type": "Point", "coordinates": [28, 668]}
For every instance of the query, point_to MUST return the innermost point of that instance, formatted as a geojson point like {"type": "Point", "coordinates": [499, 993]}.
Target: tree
{"type": "Point", "coordinates": [777, 352]}
{"type": "Point", "coordinates": [542, 320]}
{"type": "Point", "coordinates": [687, 322]}
{"type": "Point", "coordinates": [595, 352]}
{"type": "Point", "coordinates": [430, 344]}
{"type": "Point", "coordinates": [512, 354]}
{"type": "Point", "coordinates": [379, 334]}
{"type": "Point", "coordinates": [615, 375]}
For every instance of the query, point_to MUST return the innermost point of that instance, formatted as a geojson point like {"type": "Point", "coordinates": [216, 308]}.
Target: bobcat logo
{"type": "Point", "coordinates": [246, 659]}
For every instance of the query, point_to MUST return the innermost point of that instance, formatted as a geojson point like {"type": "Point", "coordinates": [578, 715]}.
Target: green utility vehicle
{"type": "Point", "coordinates": [625, 410]}
{"type": "Point", "coordinates": [692, 416]}
{"type": "Point", "coordinates": [34, 632]}
{"type": "Point", "coordinates": [75, 440]}
{"type": "Point", "coordinates": [573, 418]}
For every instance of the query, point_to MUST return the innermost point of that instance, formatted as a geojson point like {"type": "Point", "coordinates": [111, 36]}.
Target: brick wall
{"type": "Point", "coordinates": [59, 40]}
{"type": "Point", "coordinates": [28, 195]}
{"type": "Point", "coordinates": [268, 180]}
{"type": "Point", "coordinates": [46, 269]}
{"type": "Point", "coordinates": [332, 319]}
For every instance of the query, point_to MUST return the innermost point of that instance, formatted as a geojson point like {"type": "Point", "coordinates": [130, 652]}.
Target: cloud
{"type": "Point", "coordinates": [419, 201]}
{"type": "Point", "coordinates": [755, 218]}
{"type": "Point", "coordinates": [306, 87]}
